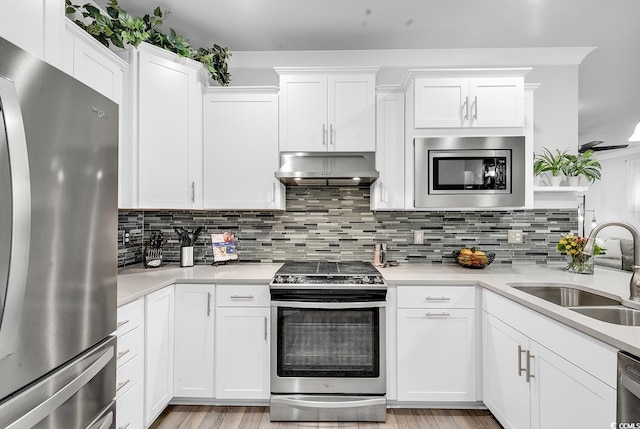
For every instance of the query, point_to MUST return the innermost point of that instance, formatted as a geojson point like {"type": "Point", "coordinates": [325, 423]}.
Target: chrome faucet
{"type": "Point", "coordinates": [634, 284]}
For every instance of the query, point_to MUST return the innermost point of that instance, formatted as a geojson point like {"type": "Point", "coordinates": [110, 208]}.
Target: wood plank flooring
{"type": "Point", "coordinates": [214, 417]}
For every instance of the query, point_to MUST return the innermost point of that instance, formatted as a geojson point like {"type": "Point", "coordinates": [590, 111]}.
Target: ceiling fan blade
{"type": "Point", "coordinates": [601, 148]}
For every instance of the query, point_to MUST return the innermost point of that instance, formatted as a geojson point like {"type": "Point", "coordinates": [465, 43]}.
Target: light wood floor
{"type": "Point", "coordinates": [204, 417]}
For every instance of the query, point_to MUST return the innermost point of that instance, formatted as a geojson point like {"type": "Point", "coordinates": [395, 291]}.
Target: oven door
{"type": "Point", "coordinates": [328, 347]}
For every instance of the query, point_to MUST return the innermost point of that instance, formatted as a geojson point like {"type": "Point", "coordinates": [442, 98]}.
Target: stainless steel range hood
{"type": "Point", "coordinates": [327, 168]}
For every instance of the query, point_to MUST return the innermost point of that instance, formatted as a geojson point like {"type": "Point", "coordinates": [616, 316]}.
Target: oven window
{"type": "Point", "coordinates": [481, 173]}
{"type": "Point", "coordinates": [328, 343]}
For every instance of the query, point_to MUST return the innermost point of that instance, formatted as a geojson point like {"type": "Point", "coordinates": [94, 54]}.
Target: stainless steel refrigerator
{"type": "Point", "coordinates": [58, 247]}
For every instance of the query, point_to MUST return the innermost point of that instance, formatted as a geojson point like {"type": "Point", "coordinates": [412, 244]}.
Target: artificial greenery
{"type": "Point", "coordinates": [582, 165]}
{"type": "Point", "coordinates": [550, 161]}
{"type": "Point", "coordinates": [120, 28]}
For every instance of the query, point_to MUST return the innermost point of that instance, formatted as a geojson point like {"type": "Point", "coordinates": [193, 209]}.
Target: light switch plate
{"type": "Point", "coordinates": [418, 237]}
{"type": "Point", "coordinates": [514, 236]}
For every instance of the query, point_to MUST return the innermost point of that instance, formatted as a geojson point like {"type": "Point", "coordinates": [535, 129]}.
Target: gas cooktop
{"type": "Point", "coordinates": [324, 274]}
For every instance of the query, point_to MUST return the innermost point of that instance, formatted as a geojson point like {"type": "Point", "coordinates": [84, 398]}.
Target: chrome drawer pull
{"type": "Point", "coordinates": [125, 426]}
{"type": "Point", "coordinates": [124, 383]}
{"type": "Point", "coordinates": [438, 298]}
{"type": "Point", "coordinates": [242, 297]}
{"type": "Point", "coordinates": [443, 314]}
{"type": "Point", "coordinates": [124, 322]}
{"type": "Point", "coordinates": [123, 353]}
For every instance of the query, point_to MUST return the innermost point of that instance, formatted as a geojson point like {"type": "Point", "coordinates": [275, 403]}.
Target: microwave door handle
{"type": "Point", "coordinates": [16, 143]}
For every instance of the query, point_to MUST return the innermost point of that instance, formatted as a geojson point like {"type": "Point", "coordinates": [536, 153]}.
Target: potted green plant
{"type": "Point", "coordinates": [552, 162]}
{"type": "Point", "coordinates": [581, 165]}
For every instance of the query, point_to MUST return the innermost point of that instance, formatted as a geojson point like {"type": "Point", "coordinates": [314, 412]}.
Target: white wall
{"type": "Point", "coordinates": [610, 196]}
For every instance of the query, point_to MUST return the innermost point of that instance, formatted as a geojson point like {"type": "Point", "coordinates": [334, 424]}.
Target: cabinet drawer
{"type": "Point", "coordinates": [128, 375]}
{"type": "Point", "coordinates": [130, 345]}
{"type": "Point", "coordinates": [242, 296]}
{"type": "Point", "coordinates": [129, 408]}
{"type": "Point", "coordinates": [436, 297]}
{"type": "Point", "coordinates": [130, 316]}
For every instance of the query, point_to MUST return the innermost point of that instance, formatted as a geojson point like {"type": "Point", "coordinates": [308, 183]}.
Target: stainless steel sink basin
{"type": "Point", "coordinates": [564, 294]}
{"type": "Point", "coordinates": [618, 315]}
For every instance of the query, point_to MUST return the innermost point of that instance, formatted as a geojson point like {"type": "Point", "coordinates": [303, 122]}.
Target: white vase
{"type": "Point", "coordinates": [573, 180]}
{"type": "Point", "coordinates": [555, 180]}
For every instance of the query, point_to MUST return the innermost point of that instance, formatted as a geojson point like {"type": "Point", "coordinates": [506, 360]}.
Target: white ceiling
{"type": "Point", "coordinates": [609, 77]}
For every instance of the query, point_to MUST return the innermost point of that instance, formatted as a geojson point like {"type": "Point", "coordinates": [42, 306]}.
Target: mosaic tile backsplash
{"type": "Point", "coordinates": [336, 223]}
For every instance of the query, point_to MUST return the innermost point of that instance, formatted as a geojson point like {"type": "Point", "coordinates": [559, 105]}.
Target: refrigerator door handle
{"type": "Point", "coordinates": [48, 406]}
{"type": "Point", "coordinates": [11, 311]}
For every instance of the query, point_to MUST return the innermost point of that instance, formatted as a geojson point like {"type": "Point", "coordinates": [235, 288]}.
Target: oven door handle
{"type": "Point", "coordinates": [329, 305]}
{"type": "Point", "coordinates": [338, 403]}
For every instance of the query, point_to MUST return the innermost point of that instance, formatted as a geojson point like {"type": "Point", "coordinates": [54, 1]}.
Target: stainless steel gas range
{"type": "Point", "coordinates": [328, 344]}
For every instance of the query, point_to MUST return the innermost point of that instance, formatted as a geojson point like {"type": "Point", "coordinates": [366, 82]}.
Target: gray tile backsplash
{"type": "Point", "coordinates": [336, 223]}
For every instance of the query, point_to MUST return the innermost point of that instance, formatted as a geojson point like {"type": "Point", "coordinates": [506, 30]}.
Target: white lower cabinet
{"type": "Point", "coordinates": [130, 366]}
{"type": "Point", "coordinates": [159, 323]}
{"type": "Point", "coordinates": [436, 344]}
{"type": "Point", "coordinates": [193, 347]}
{"type": "Point", "coordinates": [529, 385]}
{"type": "Point", "coordinates": [242, 342]}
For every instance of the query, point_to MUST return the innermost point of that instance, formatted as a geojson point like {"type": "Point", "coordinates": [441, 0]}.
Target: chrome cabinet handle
{"type": "Point", "coordinates": [465, 106]}
{"type": "Point", "coordinates": [443, 314]}
{"type": "Point", "coordinates": [520, 368]}
{"type": "Point", "coordinates": [125, 426]}
{"type": "Point", "coordinates": [242, 297]}
{"type": "Point", "coordinates": [265, 328]}
{"type": "Point", "coordinates": [124, 322]}
{"type": "Point", "coordinates": [475, 107]}
{"type": "Point", "coordinates": [529, 376]}
{"type": "Point", "coordinates": [121, 385]}
{"type": "Point", "coordinates": [122, 353]}
{"type": "Point", "coordinates": [208, 304]}
{"type": "Point", "coordinates": [331, 134]}
{"type": "Point", "coordinates": [20, 223]}
{"type": "Point", "coordinates": [193, 192]}
{"type": "Point", "coordinates": [324, 134]}
{"type": "Point", "coordinates": [437, 298]}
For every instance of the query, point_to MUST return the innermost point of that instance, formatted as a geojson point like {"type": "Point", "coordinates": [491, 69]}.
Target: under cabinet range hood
{"type": "Point", "coordinates": [327, 168]}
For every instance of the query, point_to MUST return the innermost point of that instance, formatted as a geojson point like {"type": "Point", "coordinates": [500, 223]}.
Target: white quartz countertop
{"type": "Point", "coordinates": [134, 283]}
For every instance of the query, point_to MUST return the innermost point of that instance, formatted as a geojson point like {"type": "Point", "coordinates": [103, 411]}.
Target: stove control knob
{"type": "Point", "coordinates": [291, 279]}
{"type": "Point", "coordinates": [366, 280]}
{"type": "Point", "coordinates": [377, 279]}
{"type": "Point", "coordinates": [279, 279]}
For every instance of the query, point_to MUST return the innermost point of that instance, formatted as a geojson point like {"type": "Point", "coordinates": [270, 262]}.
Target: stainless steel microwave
{"type": "Point", "coordinates": [469, 172]}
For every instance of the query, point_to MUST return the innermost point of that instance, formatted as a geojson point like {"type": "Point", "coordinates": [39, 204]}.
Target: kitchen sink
{"type": "Point", "coordinates": [618, 315]}
{"type": "Point", "coordinates": [564, 294]}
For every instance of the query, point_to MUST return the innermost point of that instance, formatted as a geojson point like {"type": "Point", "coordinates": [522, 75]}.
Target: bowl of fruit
{"type": "Point", "coordinates": [473, 257]}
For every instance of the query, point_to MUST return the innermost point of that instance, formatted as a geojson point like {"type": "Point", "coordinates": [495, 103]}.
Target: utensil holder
{"type": "Point", "coordinates": [186, 256]}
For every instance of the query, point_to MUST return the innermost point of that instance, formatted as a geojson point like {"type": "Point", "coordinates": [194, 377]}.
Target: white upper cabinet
{"type": "Point", "coordinates": [241, 149]}
{"type": "Point", "coordinates": [455, 102]}
{"type": "Point", "coordinates": [327, 111]}
{"type": "Point", "coordinates": [168, 107]}
{"type": "Point", "coordinates": [387, 193]}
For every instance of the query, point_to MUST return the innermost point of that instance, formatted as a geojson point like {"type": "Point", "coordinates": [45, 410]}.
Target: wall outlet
{"type": "Point", "coordinates": [514, 237]}
{"type": "Point", "coordinates": [418, 237]}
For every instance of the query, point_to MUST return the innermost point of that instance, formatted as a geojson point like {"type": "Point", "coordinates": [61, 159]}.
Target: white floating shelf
{"type": "Point", "coordinates": [577, 189]}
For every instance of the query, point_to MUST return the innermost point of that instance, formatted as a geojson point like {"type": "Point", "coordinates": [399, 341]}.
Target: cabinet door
{"type": "Point", "coordinates": [387, 193]}
{"type": "Point", "coordinates": [242, 353]}
{"type": "Point", "coordinates": [441, 102]}
{"type": "Point", "coordinates": [193, 349]}
{"type": "Point", "coordinates": [169, 134]}
{"type": "Point", "coordinates": [241, 152]}
{"type": "Point", "coordinates": [303, 112]}
{"type": "Point", "coordinates": [497, 102]}
{"type": "Point", "coordinates": [505, 389]}
{"type": "Point", "coordinates": [351, 113]}
{"type": "Point", "coordinates": [159, 352]}
{"type": "Point", "coordinates": [564, 395]}
{"type": "Point", "coordinates": [436, 355]}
